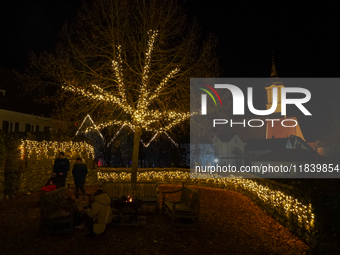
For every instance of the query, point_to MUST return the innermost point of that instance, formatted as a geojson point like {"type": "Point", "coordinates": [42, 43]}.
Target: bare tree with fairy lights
{"type": "Point", "coordinates": [125, 63]}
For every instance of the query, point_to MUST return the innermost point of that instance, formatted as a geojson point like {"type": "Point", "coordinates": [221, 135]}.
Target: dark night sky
{"type": "Point", "coordinates": [304, 38]}
{"type": "Point", "coordinates": [31, 25]}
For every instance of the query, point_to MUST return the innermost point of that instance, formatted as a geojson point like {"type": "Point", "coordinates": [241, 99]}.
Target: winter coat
{"type": "Point", "coordinates": [61, 165]}
{"type": "Point", "coordinates": [56, 181]}
{"type": "Point", "coordinates": [100, 210]}
{"type": "Point", "coordinates": [79, 172]}
{"type": "Point", "coordinates": [49, 188]}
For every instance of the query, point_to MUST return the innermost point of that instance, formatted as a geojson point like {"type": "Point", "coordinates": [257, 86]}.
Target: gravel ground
{"type": "Point", "coordinates": [230, 224]}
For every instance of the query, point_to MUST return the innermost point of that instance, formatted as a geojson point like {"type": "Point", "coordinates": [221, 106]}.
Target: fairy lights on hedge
{"type": "Point", "coordinates": [277, 199]}
{"type": "Point", "coordinates": [294, 209]}
{"type": "Point", "coordinates": [51, 149]}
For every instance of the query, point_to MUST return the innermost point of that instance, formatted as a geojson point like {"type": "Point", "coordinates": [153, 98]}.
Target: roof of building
{"type": "Point", "coordinates": [245, 133]}
{"type": "Point", "coordinates": [225, 138]}
{"type": "Point", "coordinates": [266, 144]}
{"type": "Point", "coordinates": [291, 155]}
{"type": "Point", "coordinates": [266, 131]}
{"type": "Point", "coordinates": [202, 140]}
{"type": "Point", "coordinates": [280, 131]}
{"type": "Point", "coordinates": [292, 139]}
{"type": "Point", "coordinates": [274, 143]}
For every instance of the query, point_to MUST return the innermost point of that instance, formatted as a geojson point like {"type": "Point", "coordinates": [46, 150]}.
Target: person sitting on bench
{"type": "Point", "coordinates": [100, 214]}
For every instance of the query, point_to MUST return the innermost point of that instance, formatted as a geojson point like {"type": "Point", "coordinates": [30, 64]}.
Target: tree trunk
{"type": "Point", "coordinates": [135, 154]}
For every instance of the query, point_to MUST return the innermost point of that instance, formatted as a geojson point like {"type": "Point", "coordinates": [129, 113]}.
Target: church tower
{"type": "Point", "coordinates": [274, 83]}
{"type": "Point", "coordinates": [278, 131]}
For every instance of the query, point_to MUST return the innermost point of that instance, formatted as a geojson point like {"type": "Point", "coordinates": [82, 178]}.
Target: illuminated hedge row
{"type": "Point", "coordinates": [49, 150]}
{"type": "Point", "coordinates": [292, 207]}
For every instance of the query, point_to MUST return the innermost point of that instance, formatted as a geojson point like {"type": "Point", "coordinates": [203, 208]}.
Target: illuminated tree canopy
{"type": "Point", "coordinates": [125, 63]}
{"type": "Point", "coordinates": [141, 115]}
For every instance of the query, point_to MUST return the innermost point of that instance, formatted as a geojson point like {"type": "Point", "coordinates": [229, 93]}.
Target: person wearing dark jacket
{"type": "Point", "coordinates": [79, 173]}
{"type": "Point", "coordinates": [61, 167]}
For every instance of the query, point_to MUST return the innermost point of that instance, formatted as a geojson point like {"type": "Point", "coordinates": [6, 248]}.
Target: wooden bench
{"type": "Point", "coordinates": [147, 192]}
{"type": "Point", "coordinates": [90, 196]}
{"type": "Point", "coordinates": [185, 212]}
{"type": "Point", "coordinates": [50, 222]}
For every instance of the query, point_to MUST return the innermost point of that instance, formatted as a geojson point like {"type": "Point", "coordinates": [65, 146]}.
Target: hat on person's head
{"type": "Point", "coordinates": [79, 158]}
{"type": "Point", "coordinates": [62, 153]}
{"type": "Point", "coordinates": [98, 192]}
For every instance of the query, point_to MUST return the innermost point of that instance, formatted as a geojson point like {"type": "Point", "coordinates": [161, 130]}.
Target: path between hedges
{"type": "Point", "coordinates": [230, 224]}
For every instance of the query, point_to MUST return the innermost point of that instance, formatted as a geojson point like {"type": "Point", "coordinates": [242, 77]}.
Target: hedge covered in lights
{"type": "Point", "coordinates": [291, 208]}
{"type": "Point", "coordinates": [29, 163]}
{"type": "Point", "coordinates": [50, 149]}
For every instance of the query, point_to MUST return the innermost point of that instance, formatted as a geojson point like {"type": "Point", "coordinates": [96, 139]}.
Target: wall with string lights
{"type": "Point", "coordinates": [29, 163]}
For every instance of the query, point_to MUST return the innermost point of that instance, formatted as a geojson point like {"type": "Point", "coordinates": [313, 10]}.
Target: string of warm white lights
{"type": "Point", "coordinates": [95, 127]}
{"type": "Point", "coordinates": [124, 124]}
{"type": "Point", "coordinates": [50, 149]}
{"type": "Point", "coordinates": [119, 74]}
{"type": "Point", "coordinates": [141, 116]}
{"type": "Point", "coordinates": [161, 86]}
{"type": "Point", "coordinates": [101, 95]}
{"type": "Point", "coordinates": [147, 144]}
{"type": "Point", "coordinates": [172, 140]}
{"type": "Point", "coordinates": [276, 199]}
{"type": "Point", "coordinates": [144, 91]}
{"type": "Point", "coordinates": [176, 117]}
{"type": "Point", "coordinates": [292, 207]}
{"type": "Point", "coordinates": [115, 135]}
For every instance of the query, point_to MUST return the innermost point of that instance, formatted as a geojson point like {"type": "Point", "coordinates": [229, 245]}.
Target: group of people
{"type": "Point", "coordinates": [62, 166]}
{"type": "Point", "coordinates": [94, 217]}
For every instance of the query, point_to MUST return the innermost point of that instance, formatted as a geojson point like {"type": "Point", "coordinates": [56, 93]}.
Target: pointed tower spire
{"type": "Point", "coordinates": [274, 83]}
{"type": "Point", "coordinates": [273, 73]}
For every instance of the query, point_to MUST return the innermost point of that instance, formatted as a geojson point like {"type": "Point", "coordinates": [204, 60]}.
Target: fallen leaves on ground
{"type": "Point", "coordinates": [230, 224]}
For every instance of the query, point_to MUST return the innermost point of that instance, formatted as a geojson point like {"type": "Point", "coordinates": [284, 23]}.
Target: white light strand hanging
{"type": "Point", "coordinates": [117, 133]}
{"type": "Point", "coordinates": [147, 144]}
{"type": "Point", "coordinates": [172, 140]}
{"type": "Point", "coordinates": [82, 124]}
{"type": "Point", "coordinates": [153, 138]}
{"type": "Point", "coordinates": [95, 127]}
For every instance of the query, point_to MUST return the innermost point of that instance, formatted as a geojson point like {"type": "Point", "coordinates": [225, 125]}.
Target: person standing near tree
{"type": "Point", "coordinates": [61, 167]}
{"type": "Point", "coordinates": [79, 173]}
